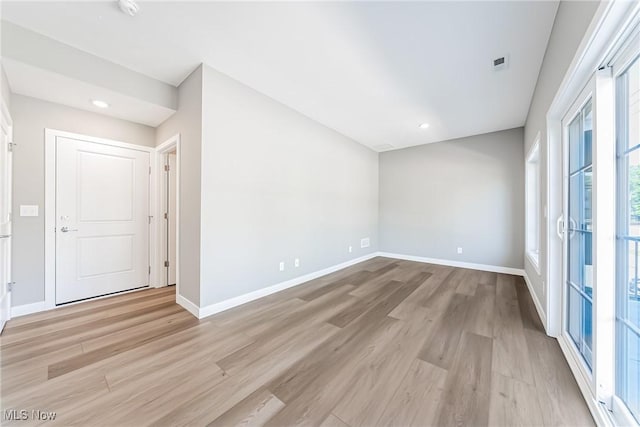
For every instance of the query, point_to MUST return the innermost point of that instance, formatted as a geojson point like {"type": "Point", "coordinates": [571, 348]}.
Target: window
{"type": "Point", "coordinates": [579, 262]}
{"type": "Point", "coordinates": [532, 179]}
{"type": "Point", "coordinates": [628, 277]}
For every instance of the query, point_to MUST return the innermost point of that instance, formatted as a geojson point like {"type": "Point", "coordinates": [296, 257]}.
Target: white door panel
{"type": "Point", "coordinates": [102, 208]}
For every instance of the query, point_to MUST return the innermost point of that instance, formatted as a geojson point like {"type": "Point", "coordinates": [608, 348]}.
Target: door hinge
{"type": "Point", "coordinates": [166, 215]}
{"type": "Point", "coordinates": [149, 270]}
{"type": "Point", "coordinates": [12, 146]}
{"type": "Point", "coordinates": [10, 286]}
{"type": "Point", "coordinates": [149, 170]}
{"type": "Point", "coordinates": [167, 168]}
{"type": "Point", "coordinates": [150, 218]}
{"type": "Point", "coordinates": [166, 263]}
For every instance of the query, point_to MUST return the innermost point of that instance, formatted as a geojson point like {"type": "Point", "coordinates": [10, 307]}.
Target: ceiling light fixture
{"type": "Point", "coordinates": [130, 7]}
{"type": "Point", "coordinates": [424, 125]}
{"type": "Point", "coordinates": [99, 104]}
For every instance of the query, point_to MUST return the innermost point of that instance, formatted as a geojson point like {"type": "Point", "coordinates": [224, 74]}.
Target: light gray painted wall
{"type": "Point", "coordinates": [187, 121]}
{"type": "Point", "coordinates": [572, 21]}
{"type": "Point", "coordinates": [30, 118]}
{"type": "Point", "coordinates": [276, 185]}
{"type": "Point", "coordinates": [464, 192]}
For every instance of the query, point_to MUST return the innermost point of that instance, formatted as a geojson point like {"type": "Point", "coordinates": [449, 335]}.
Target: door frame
{"type": "Point", "coordinates": [7, 122]}
{"type": "Point", "coordinates": [161, 150]}
{"type": "Point", "coordinates": [50, 206]}
{"type": "Point", "coordinates": [587, 94]}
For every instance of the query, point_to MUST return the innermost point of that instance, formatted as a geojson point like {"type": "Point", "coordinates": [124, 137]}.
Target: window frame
{"type": "Point", "coordinates": [588, 372]}
{"type": "Point", "coordinates": [619, 65]}
{"type": "Point", "coordinates": [533, 201]}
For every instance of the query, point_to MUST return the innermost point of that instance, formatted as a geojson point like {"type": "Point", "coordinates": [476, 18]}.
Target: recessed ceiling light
{"type": "Point", "coordinates": [99, 104]}
{"type": "Point", "coordinates": [424, 125]}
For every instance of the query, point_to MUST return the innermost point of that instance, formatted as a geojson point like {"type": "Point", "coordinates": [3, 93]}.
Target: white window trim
{"type": "Point", "coordinates": [533, 257]}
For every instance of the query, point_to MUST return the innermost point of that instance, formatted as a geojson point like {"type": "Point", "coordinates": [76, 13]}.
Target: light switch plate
{"type": "Point", "coordinates": [28, 210]}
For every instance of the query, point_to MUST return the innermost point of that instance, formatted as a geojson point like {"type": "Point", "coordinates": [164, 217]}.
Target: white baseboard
{"type": "Point", "coordinates": [23, 310]}
{"type": "Point", "coordinates": [251, 296]}
{"type": "Point", "coordinates": [36, 307]}
{"type": "Point", "coordinates": [188, 305]}
{"type": "Point", "coordinates": [536, 302]}
{"type": "Point", "coordinates": [460, 264]}
{"type": "Point", "coordinates": [597, 409]}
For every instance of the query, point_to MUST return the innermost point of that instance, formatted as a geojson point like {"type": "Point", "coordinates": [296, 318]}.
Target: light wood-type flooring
{"type": "Point", "coordinates": [384, 342]}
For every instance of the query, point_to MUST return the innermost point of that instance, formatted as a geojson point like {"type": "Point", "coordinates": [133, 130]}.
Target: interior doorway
{"type": "Point", "coordinates": [170, 209]}
{"type": "Point", "coordinates": [168, 213]}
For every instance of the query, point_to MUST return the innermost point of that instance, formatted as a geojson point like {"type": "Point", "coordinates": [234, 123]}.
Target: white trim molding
{"type": "Point", "coordinates": [209, 310]}
{"type": "Point", "coordinates": [188, 305]}
{"type": "Point", "coordinates": [158, 209]}
{"type": "Point", "coordinates": [37, 307]}
{"type": "Point", "coordinates": [599, 412]}
{"type": "Point", "coordinates": [536, 302]}
{"type": "Point", "coordinates": [23, 310]}
{"type": "Point", "coordinates": [460, 264]}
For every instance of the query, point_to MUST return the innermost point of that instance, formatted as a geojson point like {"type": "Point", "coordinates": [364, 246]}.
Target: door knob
{"type": "Point", "coordinates": [67, 229]}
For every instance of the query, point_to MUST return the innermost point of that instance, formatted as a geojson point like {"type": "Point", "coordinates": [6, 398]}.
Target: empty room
{"type": "Point", "coordinates": [320, 213]}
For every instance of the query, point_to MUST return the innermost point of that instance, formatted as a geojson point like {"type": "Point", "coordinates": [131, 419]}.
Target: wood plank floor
{"type": "Point", "coordinates": [384, 342]}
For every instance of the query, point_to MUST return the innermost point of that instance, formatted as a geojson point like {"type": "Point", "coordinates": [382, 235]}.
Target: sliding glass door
{"type": "Point", "coordinates": [579, 230]}
{"type": "Point", "coordinates": [628, 239]}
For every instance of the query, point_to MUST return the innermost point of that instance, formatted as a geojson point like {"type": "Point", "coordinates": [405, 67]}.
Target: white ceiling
{"type": "Point", "coordinates": [371, 70]}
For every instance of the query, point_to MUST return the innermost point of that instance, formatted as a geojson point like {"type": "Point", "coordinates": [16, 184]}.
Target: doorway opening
{"type": "Point", "coordinates": [169, 217]}
{"type": "Point", "coordinates": [168, 250]}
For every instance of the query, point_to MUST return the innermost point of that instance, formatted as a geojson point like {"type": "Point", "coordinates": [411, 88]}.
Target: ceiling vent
{"type": "Point", "coordinates": [500, 63]}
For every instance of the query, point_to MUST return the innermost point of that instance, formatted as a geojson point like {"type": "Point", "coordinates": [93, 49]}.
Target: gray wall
{"type": "Point", "coordinates": [30, 118]}
{"type": "Point", "coordinates": [276, 185]}
{"type": "Point", "coordinates": [465, 193]}
{"type": "Point", "coordinates": [572, 20]}
{"type": "Point", "coordinates": [187, 121]}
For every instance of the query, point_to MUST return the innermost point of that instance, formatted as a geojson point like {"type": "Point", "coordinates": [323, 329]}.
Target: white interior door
{"type": "Point", "coordinates": [171, 219]}
{"type": "Point", "coordinates": [5, 220]}
{"type": "Point", "coordinates": [102, 214]}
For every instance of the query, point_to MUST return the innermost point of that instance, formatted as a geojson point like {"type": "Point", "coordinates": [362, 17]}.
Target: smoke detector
{"type": "Point", "coordinates": [500, 63]}
{"type": "Point", "coordinates": [130, 7]}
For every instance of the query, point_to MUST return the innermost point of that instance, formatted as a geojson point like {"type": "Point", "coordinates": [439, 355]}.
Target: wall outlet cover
{"type": "Point", "coordinates": [297, 262]}
{"type": "Point", "coordinates": [281, 266]}
{"type": "Point", "coordinates": [365, 243]}
{"type": "Point", "coordinates": [28, 210]}
{"type": "Point", "coordinates": [459, 250]}
{"type": "Point", "coordinates": [350, 249]}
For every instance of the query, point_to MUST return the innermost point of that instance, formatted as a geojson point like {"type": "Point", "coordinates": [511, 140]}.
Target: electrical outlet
{"type": "Point", "coordinates": [281, 266]}
{"type": "Point", "coordinates": [297, 262]}
{"type": "Point", "coordinates": [350, 249]}
{"type": "Point", "coordinates": [365, 243]}
{"type": "Point", "coordinates": [459, 250]}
